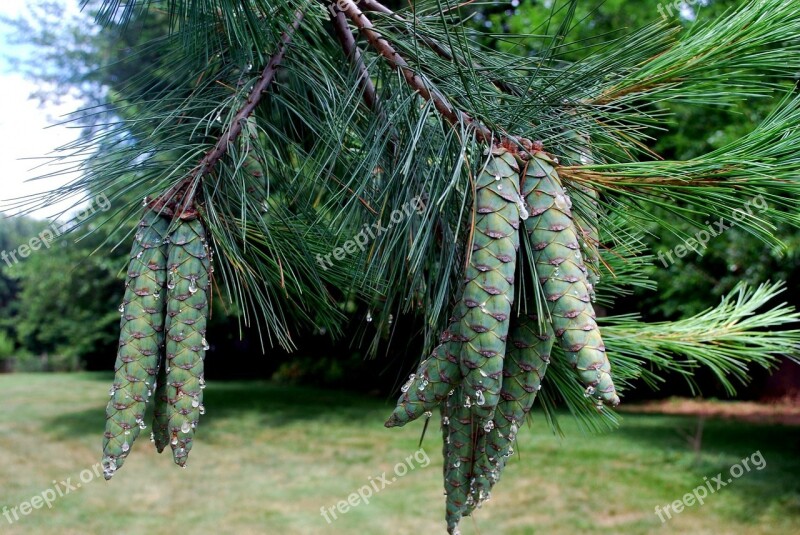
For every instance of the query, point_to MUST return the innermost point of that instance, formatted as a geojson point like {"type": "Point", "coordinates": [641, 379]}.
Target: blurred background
{"type": "Point", "coordinates": [287, 434]}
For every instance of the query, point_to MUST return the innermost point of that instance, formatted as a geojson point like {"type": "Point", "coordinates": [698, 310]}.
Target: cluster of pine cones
{"type": "Point", "coordinates": [485, 373]}
{"type": "Point", "coordinates": [162, 340]}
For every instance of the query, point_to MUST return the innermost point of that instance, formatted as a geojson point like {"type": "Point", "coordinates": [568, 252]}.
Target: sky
{"type": "Point", "coordinates": [26, 129]}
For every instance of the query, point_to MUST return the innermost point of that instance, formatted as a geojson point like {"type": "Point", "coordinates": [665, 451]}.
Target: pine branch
{"type": "Point", "coordinates": [436, 47]}
{"type": "Point", "coordinates": [348, 42]}
{"type": "Point", "coordinates": [426, 90]}
{"type": "Point", "coordinates": [727, 339]}
{"type": "Point", "coordinates": [182, 194]}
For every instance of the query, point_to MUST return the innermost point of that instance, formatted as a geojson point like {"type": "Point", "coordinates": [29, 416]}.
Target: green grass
{"type": "Point", "coordinates": [267, 458]}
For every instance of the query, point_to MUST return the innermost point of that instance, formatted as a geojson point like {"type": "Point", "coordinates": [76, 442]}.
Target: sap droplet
{"type": "Point", "coordinates": [202, 409]}
{"type": "Point", "coordinates": [422, 384]}
{"type": "Point", "coordinates": [141, 424]}
{"type": "Point", "coordinates": [152, 436]}
{"type": "Point", "coordinates": [467, 402]}
{"type": "Point", "coordinates": [174, 441]}
{"type": "Point", "coordinates": [457, 463]}
{"type": "Point", "coordinates": [126, 446]}
{"type": "Point", "coordinates": [206, 347]}
{"type": "Point", "coordinates": [497, 178]}
{"type": "Point", "coordinates": [445, 420]}
{"type": "Point", "coordinates": [195, 402]}
{"type": "Point", "coordinates": [111, 391]}
{"type": "Point", "coordinates": [369, 316]}
{"type": "Point", "coordinates": [192, 285]}
{"type": "Point", "coordinates": [499, 186]}
{"type": "Point", "coordinates": [186, 427]}
{"type": "Point", "coordinates": [122, 308]}
{"type": "Point", "coordinates": [523, 211]}
{"type": "Point", "coordinates": [479, 399]}
{"type": "Point", "coordinates": [127, 432]}
{"type": "Point", "coordinates": [144, 201]}
{"type": "Point", "coordinates": [489, 426]}
{"type": "Point", "coordinates": [407, 385]}
{"type": "Point", "coordinates": [590, 390]}
{"type": "Point", "coordinates": [139, 254]}
{"type": "Point", "coordinates": [391, 319]}
{"type": "Point", "coordinates": [428, 414]}
{"type": "Point", "coordinates": [202, 383]}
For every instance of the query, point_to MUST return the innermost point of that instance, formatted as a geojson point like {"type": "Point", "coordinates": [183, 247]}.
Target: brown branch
{"type": "Point", "coordinates": [179, 199]}
{"type": "Point", "coordinates": [435, 46]}
{"type": "Point", "coordinates": [353, 53]}
{"type": "Point", "coordinates": [415, 81]}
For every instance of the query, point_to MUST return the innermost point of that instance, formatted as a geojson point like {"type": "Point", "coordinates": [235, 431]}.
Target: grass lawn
{"type": "Point", "coordinates": [267, 458]}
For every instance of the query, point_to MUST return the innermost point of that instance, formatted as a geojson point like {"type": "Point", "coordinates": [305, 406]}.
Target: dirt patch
{"type": "Point", "coordinates": [785, 411]}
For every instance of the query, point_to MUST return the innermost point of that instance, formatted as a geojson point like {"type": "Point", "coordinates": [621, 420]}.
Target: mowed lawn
{"type": "Point", "coordinates": [267, 458]}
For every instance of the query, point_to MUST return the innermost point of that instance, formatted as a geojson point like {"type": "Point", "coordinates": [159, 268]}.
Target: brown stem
{"type": "Point", "coordinates": [438, 49]}
{"type": "Point", "coordinates": [352, 52]}
{"type": "Point", "coordinates": [426, 91]}
{"type": "Point", "coordinates": [181, 195]}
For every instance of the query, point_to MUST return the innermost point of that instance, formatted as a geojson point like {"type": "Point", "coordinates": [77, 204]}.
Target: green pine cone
{"type": "Point", "coordinates": [160, 434]}
{"type": "Point", "coordinates": [523, 369]}
{"type": "Point", "coordinates": [587, 217]}
{"type": "Point", "coordinates": [564, 277]}
{"type": "Point", "coordinates": [436, 376]}
{"type": "Point", "coordinates": [140, 341]}
{"type": "Point", "coordinates": [459, 437]}
{"type": "Point", "coordinates": [526, 362]}
{"type": "Point", "coordinates": [489, 289]}
{"type": "Point", "coordinates": [188, 290]}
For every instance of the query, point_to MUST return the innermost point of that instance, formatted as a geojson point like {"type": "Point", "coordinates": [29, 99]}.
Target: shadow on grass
{"type": "Point", "coordinates": [275, 405]}
{"type": "Point", "coordinates": [724, 444]}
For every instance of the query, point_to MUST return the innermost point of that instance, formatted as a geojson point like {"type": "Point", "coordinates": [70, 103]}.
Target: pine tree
{"type": "Point", "coordinates": [329, 148]}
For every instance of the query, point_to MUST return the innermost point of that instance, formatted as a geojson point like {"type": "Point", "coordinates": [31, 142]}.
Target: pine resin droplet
{"type": "Point", "coordinates": [479, 399]}
{"type": "Point", "coordinates": [186, 427]}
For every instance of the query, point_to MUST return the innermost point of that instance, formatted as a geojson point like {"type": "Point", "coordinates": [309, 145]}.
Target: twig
{"type": "Point", "coordinates": [353, 53]}
{"type": "Point", "coordinates": [181, 195]}
{"type": "Point", "coordinates": [426, 91]}
{"type": "Point", "coordinates": [438, 49]}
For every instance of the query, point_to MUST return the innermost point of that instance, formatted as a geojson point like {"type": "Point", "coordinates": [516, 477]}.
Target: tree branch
{"type": "Point", "coordinates": [435, 46]}
{"type": "Point", "coordinates": [425, 89]}
{"type": "Point", "coordinates": [179, 199]}
{"type": "Point", "coordinates": [352, 52]}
